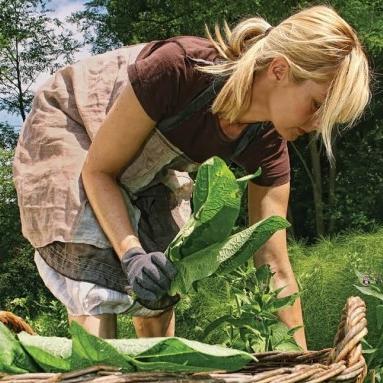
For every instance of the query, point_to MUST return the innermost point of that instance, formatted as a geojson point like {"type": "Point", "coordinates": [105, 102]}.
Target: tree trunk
{"type": "Point", "coordinates": [19, 84]}
{"type": "Point", "coordinates": [290, 218]}
{"type": "Point", "coordinates": [317, 187]}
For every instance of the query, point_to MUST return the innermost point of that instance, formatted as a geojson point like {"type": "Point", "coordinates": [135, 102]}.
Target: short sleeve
{"type": "Point", "coordinates": [157, 78]}
{"type": "Point", "coordinates": [269, 151]}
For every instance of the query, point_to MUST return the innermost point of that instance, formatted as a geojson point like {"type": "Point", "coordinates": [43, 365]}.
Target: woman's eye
{"type": "Point", "coordinates": [316, 105]}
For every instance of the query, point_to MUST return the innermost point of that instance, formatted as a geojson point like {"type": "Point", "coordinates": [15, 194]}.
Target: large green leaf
{"type": "Point", "coordinates": [281, 338]}
{"type": "Point", "coordinates": [259, 234]}
{"type": "Point", "coordinates": [280, 303]}
{"type": "Point", "coordinates": [374, 292]}
{"type": "Point", "coordinates": [52, 354]}
{"type": "Point", "coordinates": [216, 203]}
{"type": "Point", "coordinates": [13, 358]}
{"type": "Point", "coordinates": [224, 256]}
{"type": "Point", "coordinates": [169, 354]}
{"type": "Point", "coordinates": [88, 350]}
{"type": "Point", "coordinates": [188, 355]}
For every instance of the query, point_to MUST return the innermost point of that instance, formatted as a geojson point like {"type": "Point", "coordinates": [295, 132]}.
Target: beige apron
{"type": "Point", "coordinates": [66, 114]}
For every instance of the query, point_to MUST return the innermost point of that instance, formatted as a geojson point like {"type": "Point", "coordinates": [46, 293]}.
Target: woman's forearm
{"type": "Point", "coordinates": [291, 315]}
{"type": "Point", "coordinates": [110, 209]}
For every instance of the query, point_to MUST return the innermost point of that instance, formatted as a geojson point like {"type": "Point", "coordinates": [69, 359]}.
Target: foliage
{"type": "Point", "coordinates": [203, 246]}
{"type": "Point", "coordinates": [372, 285]}
{"type": "Point", "coordinates": [13, 358]}
{"type": "Point", "coordinates": [252, 324]}
{"type": "Point", "coordinates": [325, 276]}
{"type": "Point", "coordinates": [8, 136]}
{"type": "Point", "coordinates": [17, 269]}
{"type": "Point", "coordinates": [325, 273]}
{"type": "Point", "coordinates": [30, 43]}
{"type": "Point", "coordinates": [18, 274]}
{"type": "Point", "coordinates": [144, 354]}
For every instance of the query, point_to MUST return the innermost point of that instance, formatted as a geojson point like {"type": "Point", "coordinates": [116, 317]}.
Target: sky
{"type": "Point", "coordinates": [60, 9]}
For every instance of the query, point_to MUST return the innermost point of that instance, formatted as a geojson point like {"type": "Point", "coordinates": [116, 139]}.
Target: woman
{"type": "Point", "coordinates": [101, 167]}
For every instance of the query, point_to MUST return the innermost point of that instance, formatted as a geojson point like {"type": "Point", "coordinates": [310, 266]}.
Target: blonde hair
{"type": "Point", "coordinates": [318, 45]}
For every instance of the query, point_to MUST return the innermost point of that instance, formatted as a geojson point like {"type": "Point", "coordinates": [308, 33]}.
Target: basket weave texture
{"type": "Point", "coordinates": [342, 363]}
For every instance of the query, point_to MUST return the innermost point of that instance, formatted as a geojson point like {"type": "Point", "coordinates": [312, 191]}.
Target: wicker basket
{"type": "Point", "coordinates": [344, 362]}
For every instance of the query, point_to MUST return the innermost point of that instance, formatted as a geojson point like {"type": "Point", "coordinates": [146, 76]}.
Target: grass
{"type": "Point", "coordinates": [326, 275]}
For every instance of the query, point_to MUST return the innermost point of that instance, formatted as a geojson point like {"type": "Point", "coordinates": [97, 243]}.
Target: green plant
{"type": "Point", "coordinates": [372, 285]}
{"type": "Point", "coordinates": [204, 245]}
{"type": "Point", "coordinates": [252, 324]}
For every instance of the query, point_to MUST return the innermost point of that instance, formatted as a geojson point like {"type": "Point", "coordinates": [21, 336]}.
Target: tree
{"type": "Point", "coordinates": [31, 42]}
{"type": "Point", "coordinates": [110, 23]}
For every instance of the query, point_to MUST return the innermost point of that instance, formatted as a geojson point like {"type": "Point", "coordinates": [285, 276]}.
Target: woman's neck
{"type": "Point", "coordinates": [231, 130]}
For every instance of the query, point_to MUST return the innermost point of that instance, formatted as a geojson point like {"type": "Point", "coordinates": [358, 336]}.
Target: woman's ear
{"type": "Point", "coordinates": [278, 69]}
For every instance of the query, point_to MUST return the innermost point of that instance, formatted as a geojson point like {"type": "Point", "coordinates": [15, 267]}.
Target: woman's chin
{"type": "Point", "coordinates": [288, 135]}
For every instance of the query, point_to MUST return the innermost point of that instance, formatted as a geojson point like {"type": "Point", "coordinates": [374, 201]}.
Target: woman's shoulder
{"type": "Point", "coordinates": [164, 77]}
{"type": "Point", "coordinates": [180, 47]}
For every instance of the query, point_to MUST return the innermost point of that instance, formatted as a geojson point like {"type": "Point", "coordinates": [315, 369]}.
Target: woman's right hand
{"type": "Point", "coordinates": [149, 275]}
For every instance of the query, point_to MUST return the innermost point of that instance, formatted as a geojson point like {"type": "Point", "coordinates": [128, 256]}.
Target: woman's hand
{"type": "Point", "coordinates": [149, 275]}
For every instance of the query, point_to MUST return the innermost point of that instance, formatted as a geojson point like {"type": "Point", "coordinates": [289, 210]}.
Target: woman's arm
{"type": "Point", "coordinates": [115, 145]}
{"type": "Point", "coordinates": [264, 202]}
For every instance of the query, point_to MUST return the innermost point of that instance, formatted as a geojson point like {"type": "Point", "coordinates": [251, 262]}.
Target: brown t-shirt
{"type": "Point", "coordinates": [165, 81]}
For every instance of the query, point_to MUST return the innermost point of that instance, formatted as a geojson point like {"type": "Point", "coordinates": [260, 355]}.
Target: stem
{"type": "Point", "coordinates": [19, 85]}
{"type": "Point", "coordinates": [238, 305]}
{"type": "Point", "coordinates": [304, 164]}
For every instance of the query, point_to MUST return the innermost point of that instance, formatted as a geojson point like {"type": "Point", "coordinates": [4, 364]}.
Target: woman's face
{"type": "Point", "coordinates": [292, 108]}
{"type": "Point", "coordinates": [289, 105]}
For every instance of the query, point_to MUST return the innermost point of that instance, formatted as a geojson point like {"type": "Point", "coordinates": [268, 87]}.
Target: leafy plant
{"type": "Point", "coordinates": [204, 245]}
{"type": "Point", "coordinates": [252, 324]}
{"type": "Point", "coordinates": [372, 285]}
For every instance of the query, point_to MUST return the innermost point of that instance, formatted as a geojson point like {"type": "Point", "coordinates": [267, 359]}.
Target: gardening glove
{"type": "Point", "coordinates": [149, 275]}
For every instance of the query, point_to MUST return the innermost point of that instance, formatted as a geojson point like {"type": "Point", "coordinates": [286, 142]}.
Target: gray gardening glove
{"type": "Point", "coordinates": [149, 275]}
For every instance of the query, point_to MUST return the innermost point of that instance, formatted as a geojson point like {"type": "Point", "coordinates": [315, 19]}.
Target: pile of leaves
{"type": "Point", "coordinates": [33, 353]}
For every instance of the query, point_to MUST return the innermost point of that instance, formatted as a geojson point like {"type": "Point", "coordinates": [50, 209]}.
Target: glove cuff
{"type": "Point", "coordinates": [132, 253]}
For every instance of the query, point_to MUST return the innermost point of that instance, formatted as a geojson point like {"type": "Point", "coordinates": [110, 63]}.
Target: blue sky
{"type": "Point", "coordinates": [61, 9]}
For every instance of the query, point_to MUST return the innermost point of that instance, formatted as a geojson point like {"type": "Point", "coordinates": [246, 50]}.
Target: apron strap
{"type": "Point", "coordinates": [198, 103]}
{"type": "Point", "coordinates": [252, 131]}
